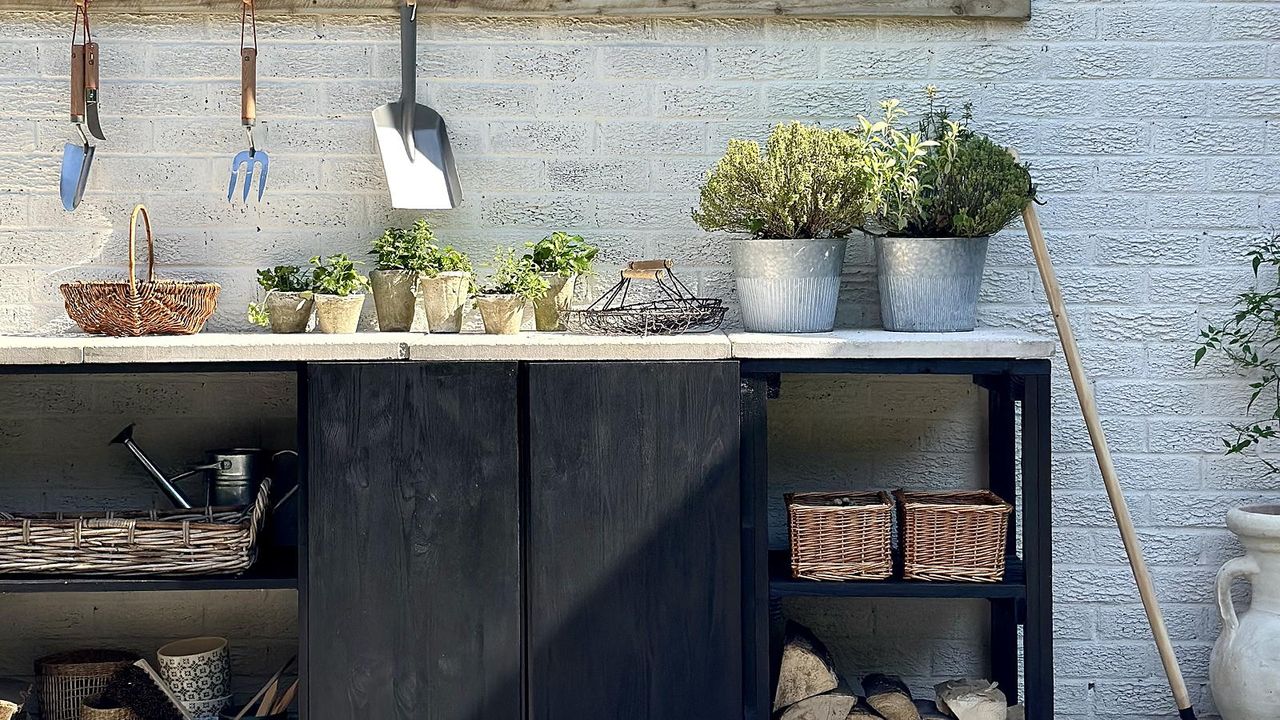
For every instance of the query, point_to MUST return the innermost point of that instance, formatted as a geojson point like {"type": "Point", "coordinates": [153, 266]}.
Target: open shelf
{"type": "Point", "coordinates": [277, 571]}
{"type": "Point", "coordinates": [781, 584]}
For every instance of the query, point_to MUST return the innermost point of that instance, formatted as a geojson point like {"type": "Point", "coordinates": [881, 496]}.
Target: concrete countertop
{"type": "Point", "coordinates": [313, 347]}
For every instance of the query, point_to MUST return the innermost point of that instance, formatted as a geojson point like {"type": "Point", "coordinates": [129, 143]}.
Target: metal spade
{"type": "Point", "coordinates": [413, 139]}
{"type": "Point", "coordinates": [76, 159]}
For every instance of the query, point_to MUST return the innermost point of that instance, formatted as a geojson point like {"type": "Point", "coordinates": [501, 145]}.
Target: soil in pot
{"type": "Point", "coordinates": [393, 298]}
{"type": "Point", "coordinates": [338, 313]}
{"type": "Point", "coordinates": [289, 312]}
{"type": "Point", "coordinates": [502, 314]}
{"type": "Point", "coordinates": [788, 286]}
{"type": "Point", "coordinates": [930, 284]}
{"type": "Point", "coordinates": [443, 298]}
{"type": "Point", "coordinates": [547, 309]}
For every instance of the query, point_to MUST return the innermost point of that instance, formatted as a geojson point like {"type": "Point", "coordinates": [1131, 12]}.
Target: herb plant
{"type": "Point", "coordinates": [562, 253]}
{"type": "Point", "coordinates": [337, 275]}
{"type": "Point", "coordinates": [446, 259]}
{"type": "Point", "coordinates": [515, 276]}
{"type": "Point", "coordinates": [1250, 339]}
{"type": "Point", "coordinates": [405, 248]}
{"type": "Point", "coordinates": [969, 186]}
{"type": "Point", "coordinates": [284, 278]}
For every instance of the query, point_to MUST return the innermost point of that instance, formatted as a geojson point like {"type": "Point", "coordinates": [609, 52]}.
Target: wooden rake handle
{"type": "Point", "coordinates": [1089, 408]}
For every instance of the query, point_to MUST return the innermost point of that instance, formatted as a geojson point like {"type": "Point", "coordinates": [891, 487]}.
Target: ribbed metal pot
{"type": "Point", "coordinates": [788, 286]}
{"type": "Point", "coordinates": [930, 284]}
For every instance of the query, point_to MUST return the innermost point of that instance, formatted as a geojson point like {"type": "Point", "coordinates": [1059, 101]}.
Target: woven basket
{"type": "Point", "coordinates": [154, 307]}
{"type": "Point", "coordinates": [89, 711]}
{"type": "Point", "coordinates": [65, 680]}
{"type": "Point", "coordinates": [955, 536]}
{"type": "Point", "coordinates": [169, 542]}
{"type": "Point", "coordinates": [832, 541]}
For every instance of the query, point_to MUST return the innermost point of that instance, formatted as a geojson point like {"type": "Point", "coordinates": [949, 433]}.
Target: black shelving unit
{"type": "Point", "coordinates": [1023, 598]}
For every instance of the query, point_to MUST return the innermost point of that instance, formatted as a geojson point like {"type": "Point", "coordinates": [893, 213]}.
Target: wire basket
{"type": "Point", "coordinates": [840, 535]}
{"type": "Point", "coordinates": [953, 536]}
{"type": "Point", "coordinates": [673, 311]}
{"type": "Point", "coordinates": [65, 680]}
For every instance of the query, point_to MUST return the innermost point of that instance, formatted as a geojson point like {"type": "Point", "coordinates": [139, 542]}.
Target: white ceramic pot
{"type": "Point", "coordinates": [1244, 669]}
{"type": "Point", "coordinates": [502, 314]}
{"type": "Point", "coordinates": [547, 309]}
{"type": "Point", "coordinates": [289, 312]}
{"type": "Point", "coordinates": [393, 298]}
{"type": "Point", "coordinates": [338, 313]}
{"type": "Point", "coordinates": [198, 669]}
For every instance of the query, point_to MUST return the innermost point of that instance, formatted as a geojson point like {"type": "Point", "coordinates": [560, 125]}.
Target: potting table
{"type": "Point", "coordinates": [559, 527]}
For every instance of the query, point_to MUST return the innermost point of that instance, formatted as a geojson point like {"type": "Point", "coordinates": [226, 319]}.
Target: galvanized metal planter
{"type": "Point", "coordinates": [930, 284]}
{"type": "Point", "coordinates": [788, 286]}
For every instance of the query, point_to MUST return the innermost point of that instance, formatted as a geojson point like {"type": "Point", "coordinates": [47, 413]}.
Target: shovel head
{"type": "Point", "coordinates": [420, 174]}
{"type": "Point", "coordinates": [76, 160]}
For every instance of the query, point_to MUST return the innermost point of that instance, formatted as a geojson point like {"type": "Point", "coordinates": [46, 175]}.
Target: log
{"type": "Point", "coordinates": [890, 697]}
{"type": "Point", "coordinates": [806, 668]}
{"type": "Point", "coordinates": [834, 705]}
{"type": "Point", "coordinates": [972, 700]}
{"type": "Point", "coordinates": [862, 711]}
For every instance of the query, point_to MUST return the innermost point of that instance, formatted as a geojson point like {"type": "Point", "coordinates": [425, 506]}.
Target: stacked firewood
{"type": "Point", "coordinates": [809, 688]}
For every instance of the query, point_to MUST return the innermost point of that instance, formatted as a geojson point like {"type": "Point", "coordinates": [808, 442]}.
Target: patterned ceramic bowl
{"type": "Point", "coordinates": [197, 669]}
{"type": "Point", "coordinates": [207, 709]}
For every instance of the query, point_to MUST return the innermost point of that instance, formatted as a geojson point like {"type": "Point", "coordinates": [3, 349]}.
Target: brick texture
{"type": "Point", "coordinates": [1153, 126]}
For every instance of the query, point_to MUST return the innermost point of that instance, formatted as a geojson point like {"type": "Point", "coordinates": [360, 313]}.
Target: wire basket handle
{"type": "Point", "coordinates": [151, 246]}
{"type": "Point", "coordinates": [646, 269]}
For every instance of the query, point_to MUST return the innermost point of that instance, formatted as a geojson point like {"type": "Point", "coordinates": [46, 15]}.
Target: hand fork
{"type": "Point", "coordinates": [248, 113]}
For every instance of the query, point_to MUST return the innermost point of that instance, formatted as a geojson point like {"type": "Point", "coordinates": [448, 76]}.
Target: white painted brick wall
{"type": "Point", "coordinates": [1154, 127]}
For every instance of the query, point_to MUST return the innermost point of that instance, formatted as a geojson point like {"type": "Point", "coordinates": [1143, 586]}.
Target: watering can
{"type": "Point", "coordinates": [232, 475]}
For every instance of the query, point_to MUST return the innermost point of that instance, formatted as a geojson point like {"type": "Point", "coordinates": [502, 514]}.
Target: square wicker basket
{"type": "Point", "coordinates": [953, 536]}
{"type": "Point", "coordinates": [840, 535]}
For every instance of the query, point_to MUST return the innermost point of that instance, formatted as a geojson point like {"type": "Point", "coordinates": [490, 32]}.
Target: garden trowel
{"type": "Point", "coordinates": [413, 139]}
{"type": "Point", "coordinates": [76, 158]}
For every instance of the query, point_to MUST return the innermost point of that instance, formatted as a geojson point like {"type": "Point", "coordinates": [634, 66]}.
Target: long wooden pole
{"type": "Point", "coordinates": [1084, 391]}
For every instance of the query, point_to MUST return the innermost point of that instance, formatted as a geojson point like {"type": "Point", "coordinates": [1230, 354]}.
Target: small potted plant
{"type": "Point", "coordinates": [287, 306]}
{"type": "Point", "coordinates": [793, 204]}
{"type": "Point", "coordinates": [931, 245]}
{"type": "Point", "coordinates": [339, 293]}
{"type": "Point", "coordinates": [401, 254]}
{"type": "Point", "coordinates": [514, 282]}
{"type": "Point", "coordinates": [445, 281]}
{"type": "Point", "coordinates": [560, 258]}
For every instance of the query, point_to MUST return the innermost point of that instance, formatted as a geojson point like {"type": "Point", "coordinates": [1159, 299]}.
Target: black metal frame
{"type": "Point", "coordinates": [1023, 598]}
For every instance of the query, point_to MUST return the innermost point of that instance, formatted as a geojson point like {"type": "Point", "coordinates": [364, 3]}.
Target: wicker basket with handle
{"type": "Point", "coordinates": [154, 307]}
{"type": "Point", "coordinates": [203, 541]}
{"type": "Point", "coordinates": [65, 680]}
{"type": "Point", "coordinates": [957, 536]}
{"type": "Point", "coordinates": [840, 535]}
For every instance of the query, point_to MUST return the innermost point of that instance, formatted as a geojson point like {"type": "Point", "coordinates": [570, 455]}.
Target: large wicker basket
{"type": "Point", "coordinates": [154, 307]}
{"type": "Point", "coordinates": [840, 535]}
{"type": "Point", "coordinates": [955, 536]}
{"type": "Point", "coordinates": [65, 680]}
{"type": "Point", "coordinates": [206, 541]}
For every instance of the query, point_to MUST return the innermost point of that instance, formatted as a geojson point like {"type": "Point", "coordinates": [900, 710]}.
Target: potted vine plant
{"type": "Point", "coordinates": [560, 258]}
{"type": "Point", "coordinates": [445, 281]}
{"type": "Point", "coordinates": [793, 205]}
{"type": "Point", "coordinates": [931, 247]}
{"type": "Point", "coordinates": [514, 282]}
{"type": "Point", "coordinates": [339, 293]}
{"type": "Point", "coordinates": [401, 254]}
{"type": "Point", "coordinates": [287, 306]}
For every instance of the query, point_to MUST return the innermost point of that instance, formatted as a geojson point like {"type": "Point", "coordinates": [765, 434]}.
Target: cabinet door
{"type": "Point", "coordinates": [412, 587]}
{"type": "Point", "coordinates": [634, 606]}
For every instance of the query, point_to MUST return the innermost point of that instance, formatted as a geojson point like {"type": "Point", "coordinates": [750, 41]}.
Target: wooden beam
{"type": "Point", "coordinates": [1017, 9]}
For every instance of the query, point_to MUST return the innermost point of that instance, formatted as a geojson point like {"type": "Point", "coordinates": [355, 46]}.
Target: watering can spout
{"type": "Point", "coordinates": [125, 437]}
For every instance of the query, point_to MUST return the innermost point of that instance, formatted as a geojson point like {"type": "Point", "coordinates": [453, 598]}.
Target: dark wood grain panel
{"type": "Point", "coordinates": [634, 580]}
{"type": "Point", "coordinates": [413, 578]}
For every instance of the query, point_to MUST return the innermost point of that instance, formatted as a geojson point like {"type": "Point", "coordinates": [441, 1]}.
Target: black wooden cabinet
{"type": "Point", "coordinates": [412, 581]}
{"type": "Point", "coordinates": [633, 541]}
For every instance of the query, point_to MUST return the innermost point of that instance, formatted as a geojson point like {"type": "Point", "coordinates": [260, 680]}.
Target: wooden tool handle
{"type": "Point", "coordinates": [649, 265]}
{"type": "Point", "coordinates": [286, 700]}
{"type": "Point", "coordinates": [1089, 408]}
{"type": "Point", "coordinates": [632, 274]}
{"type": "Point", "coordinates": [91, 66]}
{"type": "Point", "coordinates": [248, 85]}
{"type": "Point", "coordinates": [77, 83]}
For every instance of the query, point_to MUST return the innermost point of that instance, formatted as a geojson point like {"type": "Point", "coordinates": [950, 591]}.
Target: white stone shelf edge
{"type": "Point", "coordinates": [313, 347]}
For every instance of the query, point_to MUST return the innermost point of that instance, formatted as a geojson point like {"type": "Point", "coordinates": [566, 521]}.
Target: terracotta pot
{"type": "Point", "coordinates": [393, 298]}
{"type": "Point", "coordinates": [547, 309]}
{"type": "Point", "coordinates": [443, 298]}
{"type": "Point", "coordinates": [338, 313]}
{"type": "Point", "coordinates": [1244, 669]}
{"type": "Point", "coordinates": [289, 312]}
{"type": "Point", "coordinates": [502, 314]}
